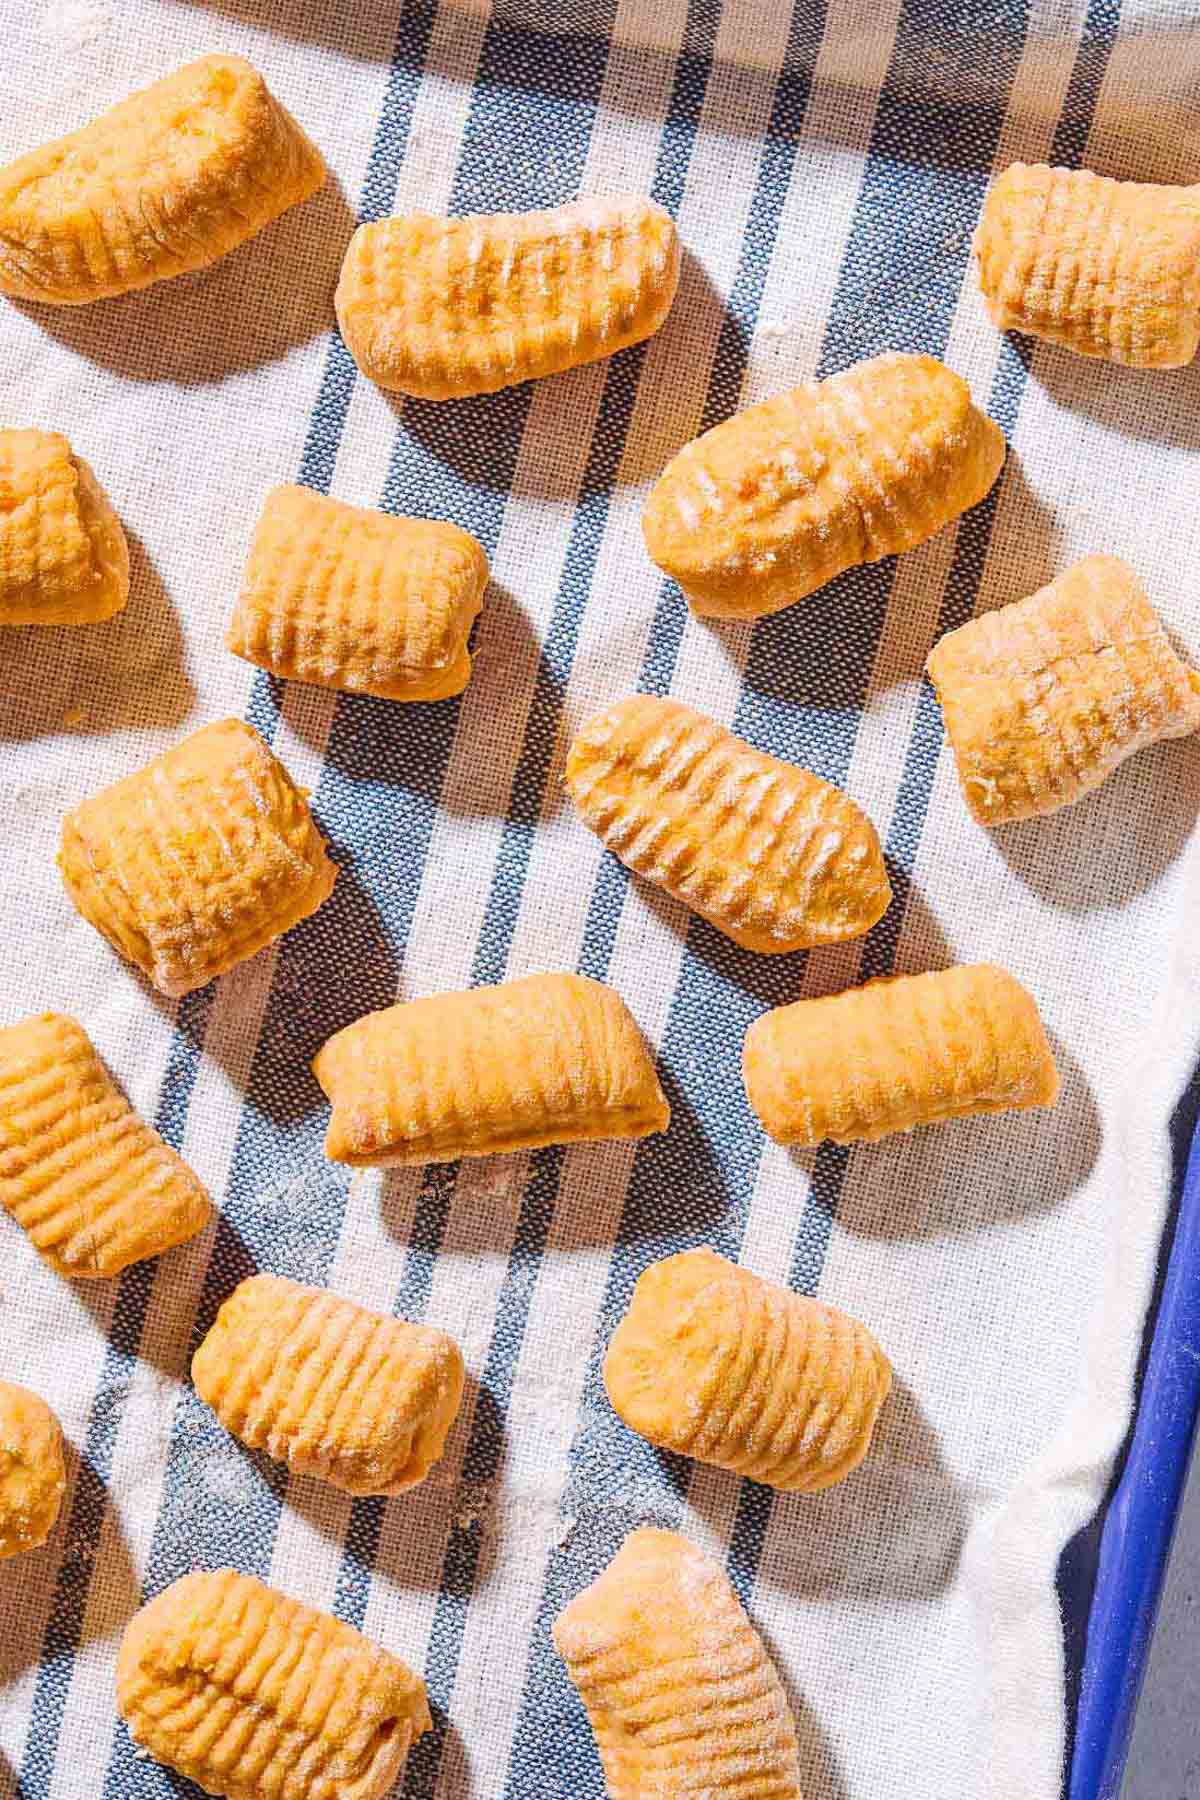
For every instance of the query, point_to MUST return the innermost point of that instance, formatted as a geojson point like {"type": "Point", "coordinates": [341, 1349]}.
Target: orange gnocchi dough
{"type": "Point", "coordinates": [713, 1362]}
{"type": "Point", "coordinates": [1044, 698]}
{"type": "Point", "coordinates": [33, 1474]}
{"type": "Point", "coordinates": [444, 308]}
{"type": "Point", "coordinates": [359, 1399]}
{"type": "Point", "coordinates": [198, 860]}
{"type": "Point", "coordinates": [548, 1059]}
{"type": "Point", "coordinates": [255, 1697]}
{"type": "Point", "coordinates": [1106, 268]}
{"type": "Point", "coordinates": [93, 1185]}
{"type": "Point", "coordinates": [166, 182]}
{"type": "Point", "coordinates": [64, 559]}
{"type": "Point", "coordinates": [772, 856]}
{"type": "Point", "coordinates": [902, 1051]}
{"type": "Point", "coordinates": [349, 598]}
{"type": "Point", "coordinates": [682, 1698]}
{"type": "Point", "coordinates": [767, 507]}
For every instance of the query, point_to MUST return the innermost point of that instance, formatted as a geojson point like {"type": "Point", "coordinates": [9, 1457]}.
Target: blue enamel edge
{"type": "Point", "coordinates": [1128, 1545]}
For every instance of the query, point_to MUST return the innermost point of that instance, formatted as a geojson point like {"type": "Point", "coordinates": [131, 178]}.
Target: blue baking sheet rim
{"type": "Point", "coordinates": [1111, 1574]}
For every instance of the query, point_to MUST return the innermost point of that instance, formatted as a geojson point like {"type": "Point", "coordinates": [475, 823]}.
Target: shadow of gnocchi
{"type": "Point", "coordinates": [252, 307]}
{"type": "Point", "coordinates": [585, 436]}
{"type": "Point", "coordinates": [80, 1585]}
{"type": "Point", "coordinates": [965, 1174]}
{"type": "Point", "coordinates": [128, 672]}
{"type": "Point", "coordinates": [892, 1531]}
{"type": "Point", "coordinates": [1119, 841]}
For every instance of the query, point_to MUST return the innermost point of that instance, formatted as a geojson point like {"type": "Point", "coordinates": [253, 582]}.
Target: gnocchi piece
{"type": "Point", "coordinates": [1107, 268]}
{"type": "Point", "coordinates": [444, 308]}
{"type": "Point", "coordinates": [901, 1051]}
{"type": "Point", "coordinates": [359, 1399]}
{"type": "Point", "coordinates": [1044, 698]}
{"type": "Point", "coordinates": [548, 1059]}
{"type": "Point", "coordinates": [769, 506]}
{"type": "Point", "coordinates": [168, 181]}
{"type": "Point", "coordinates": [713, 1362]}
{"type": "Point", "coordinates": [33, 1475]}
{"type": "Point", "coordinates": [255, 1697]}
{"type": "Point", "coordinates": [95, 1187]}
{"type": "Point", "coordinates": [64, 559]}
{"type": "Point", "coordinates": [198, 860]}
{"type": "Point", "coordinates": [772, 856]}
{"type": "Point", "coordinates": [349, 598]}
{"type": "Point", "coordinates": [680, 1692]}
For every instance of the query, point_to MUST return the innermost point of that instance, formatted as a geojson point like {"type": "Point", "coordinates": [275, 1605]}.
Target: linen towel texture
{"type": "Point", "coordinates": [826, 168]}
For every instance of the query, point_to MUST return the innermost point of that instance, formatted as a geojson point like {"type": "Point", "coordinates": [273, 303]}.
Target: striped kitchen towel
{"type": "Point", "coordinates": [826, 166]}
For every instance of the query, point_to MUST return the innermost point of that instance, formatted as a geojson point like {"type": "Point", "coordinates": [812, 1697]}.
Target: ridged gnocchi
{"type": "Point", "coordinates": [902, 1051]}
{"type": "Point", "coordinates": [168, 181]}
{"type": "Point", "coordinates": [770, 505]}
{"type": "Point", "coordinates": [445, 308]}
{"type": "Point", "coordinates": [64, 559]}
{"type": "Point", "coordinates": [349, 598]}
{"type": "Point", "coordinates": [33, 1474]}
{"type": "Point", "coordinates": [718, 1364]}
{"type": "Point", "coordinates": [1044, 698]}
{"type": "Point", "coordinates": [92, 1184]}
{"type": "Point", "coordinates": [771, 855]}
{"type": "Point", "coordinates": [1106, 268]}
{"type": "Point", "coordinates": [682, 1697]}
{"type": "Point", "coordinates": [354, 1397]}
{"type": "Point", "coordinates": [198, 860]}
{"type": "Point", "coordinates": [255, 1697]}
{"type": "Point", "coordinates": [547, 1059]}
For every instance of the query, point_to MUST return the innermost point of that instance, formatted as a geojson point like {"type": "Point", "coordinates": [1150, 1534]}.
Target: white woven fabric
{"type": "Point", "coordinates": [826, 171]}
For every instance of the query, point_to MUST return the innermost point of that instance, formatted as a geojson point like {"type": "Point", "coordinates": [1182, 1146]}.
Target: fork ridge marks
{"type": "Point", "coordinates": [199, 859]}
{"type": "Point", "coordinates": [346, 597]}
{"type": "Point", "coordinates": [715, 1363]}
{"type": "Point", "coordinates": [767, 507]}
{"type": "Point", "coordinates": [445, 308]}
{"type": "Point", "coordinates": [166, 182]}
{"type": "Point", "coordinates": [254, 1696]}
{"type": "Point", "coordinates": [92, 1184]}
{"type": "Point", "coordinates": [64, 559]}
{"type": "Point", "coordinates": [1044, 698]}
{"type": "Point", "coordinates": [1107, 268]}
{"type": "Point", "coordinates": [770, 854]}
{"type": "Point", "coordinates": [682, 1698]}
{"type": "Point", "coordinates": [547, 1059]}
{"type": "Point", "coordinates": [33, 1476]}
{"type": "Point", "coordinates": [901, 1051]}
{"type": "Point", "coordinates": [357, 1398]}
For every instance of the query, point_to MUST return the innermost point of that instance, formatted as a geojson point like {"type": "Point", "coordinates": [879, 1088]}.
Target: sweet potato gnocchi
{"type": "Point", "coordinates": [349, 598]}
{"type": "Point", "coordinates": [772, 856]}
{"type": "Point", "coordinates": [1106, 268]}
{"type": "Point", "coordinates": [902, 1051]}
{"type": "Point", "coordinates": [33, 1475]}
{"type": "Point", "coordinates": [1044, 698]}
{"type": "Point", "coordinates": [713, 1362]}
{"type": "Point", "coordinates": [255, 1697]}
{"type": "Point", "coordinates": [680, 1692]}
{"type": "Point", "coordinates": [548, 1059]}
{"type": "Point", "coordinates": [198, 860]}
{"type": "Point", "coordinates": [64, 559]}
{"type": "Point", "coordinates": [166, 182]}
{"type": "Point", "coordinates": [93, 1185]}
{"type": "Point", "coordinates": [359, 1399]}
{"type": "Point", "coordinates": [769, 506]}
{"type": "Point", "coordinates": [444, 308]}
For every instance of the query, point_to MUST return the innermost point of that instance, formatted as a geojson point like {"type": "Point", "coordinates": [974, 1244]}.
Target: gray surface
{"type": "Point", "coordinates": [1164, 1756]}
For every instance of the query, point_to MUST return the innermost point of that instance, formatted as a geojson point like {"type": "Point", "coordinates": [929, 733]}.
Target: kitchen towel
{"type": "Point", "coordinates": [826, 166]}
